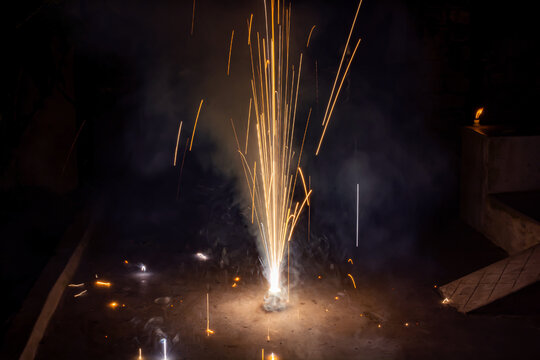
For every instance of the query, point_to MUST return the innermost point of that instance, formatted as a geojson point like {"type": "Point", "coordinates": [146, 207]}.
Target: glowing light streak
{"type": "Point", "coordinates": [336, 97]}
{"type": "Point", "coordinates": [195, 126]}
{"type": "Point", "coordinates": [143, 268]}
{"type": "Point", "coordinates": [164, 342]}
{"type": "Point", "coordinates": [140, 354]}
{"type": "Point", "coordinates": [341, 62]}
{"type": "Point", "coordinates": [230, 51]}
{"type": "Point", "coordinates": [352, 279]}
{"type": "Point", "coordinates": [80, 294]}
{"type": "Point", "coordinates": [309, 37]}
{"type": "Point", "coordinates": [76, 285]}
{"type": "Point", "coordinates": [176, 148]}
{"type": "Point", "coordinates": [208, 330]}
{"type": "Point", "coordinates": [247, 129]}
{"type": "Point", "coordinates": [192, 18]}
{"type": "Point", "coordinates": [350, 261]}
{"type": "Point", "coordinates": [249, 29]}
{"type": "Point", "coordinates": [103, 283]}
{"type": "Point", "coordinates": [446, 301]}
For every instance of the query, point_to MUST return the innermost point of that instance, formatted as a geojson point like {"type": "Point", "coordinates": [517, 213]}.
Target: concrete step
{"type": "Point", "coordinates": [494, 281]}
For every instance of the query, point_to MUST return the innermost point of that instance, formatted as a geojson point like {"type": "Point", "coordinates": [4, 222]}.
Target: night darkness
{"type": "Point", "coordinates": [448, 214]}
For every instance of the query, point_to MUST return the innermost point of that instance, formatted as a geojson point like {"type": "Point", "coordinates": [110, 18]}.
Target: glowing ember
{"type": "Point", "coordinates": [140, 354]}
{"type": "Point", "coordinates": [354, 284]}
{"type": "Point", "coordinates": [446, 301]}
{"type": "Point", "coordinates": [103, 283]}
{"type": "Point", "coordinates": [113, 305]}
{"type": "Point", "coordinates": [201, 256]}
{"type": "Point", "coordinates": [237, 279]}
{"type": "Point", "coordinates": [80, 294]}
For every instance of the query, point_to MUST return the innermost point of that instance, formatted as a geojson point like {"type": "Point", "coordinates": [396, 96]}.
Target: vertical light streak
{"type": "Point", "coordinates": [192, 18]}
{"type": "Point", "coordinates": [230, 51]}
{"type": "Point", "coordinates": [309, 213]}
{"type": "Point", "coordinates": [177, 140]}
{"type": "Point", "coordinates": [249, 29]}
{"type": "Point", "coordinates": [164, 342]}
{"type": "Point", "coordinates": [357, 210]}
{"type": "Point", "coordinates": [309, 37]}
{"type": "Point", "coordinates": [140, 354]}
{"type": "Point", "coordinates": [195, 126]}
{"type": "Point", "coordinates": [247, 129]}
{"type": "Point", "coordinates": [207, 315]}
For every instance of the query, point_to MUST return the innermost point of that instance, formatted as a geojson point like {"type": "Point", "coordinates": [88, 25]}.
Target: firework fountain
{"type": "Point", "coordinates": [273, 171]}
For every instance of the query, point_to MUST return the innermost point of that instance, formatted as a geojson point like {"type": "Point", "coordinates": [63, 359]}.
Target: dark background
{"type": "Point", "coordinates": [126, 73]}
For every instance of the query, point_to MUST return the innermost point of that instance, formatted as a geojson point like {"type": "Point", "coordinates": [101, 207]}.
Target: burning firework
{"type": "Point", "coordinates": [272, 182]}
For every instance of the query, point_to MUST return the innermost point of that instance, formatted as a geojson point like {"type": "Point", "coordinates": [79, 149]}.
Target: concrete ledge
{"type": "Point", "coordinates": [27, 327]}
{"type": "Point", "coordinates": [52, 301]}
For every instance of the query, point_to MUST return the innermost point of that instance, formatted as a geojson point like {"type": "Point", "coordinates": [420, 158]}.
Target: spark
{"type": "Point", "coordinates": [192, 18]}
{"type": "Point", "coordinates": [309, 37]}
{"type": "Point", "coordinates": [195, 126]}
{"type": "Point", "coordinates": [80, 294]}
{"type": "Point", "coordinates": [406, 324]}
{"type": "Point", "coordinates": [201, 256]}
{"type": "Point", "coordinates": [354, 284]}
{"type": "Point", "coordinates": [350, 260]}
{"type": "Point", "coordinates": [234, 285]}
{"type": "Point", "coordinates": [357, 210]}
{"type": "Point", "coordinates": [237, 279]}
{"type": "Point", "coordinates": [76, 285]}
{"type": "Point", "coordinates": [103, 283]}
{"type": "Point", "coordinates": [143, 268]}
{"type": "Point", "coordinates": [446, 301]}
{"type": "Point", "coordinates": [176, 148]}
{"type": "Point", "coordinates": [247, 131]}
{"type": "Point", "coordinates": [379, 326]}
{"type": "Point", "coordinates": [164, 342]}
{"type": "Point", "coordinates": [327, 114]}
{"type": "Point", "coordinates": [230, 51]}
{"type": "Point", "coordinates": [249, 29]}
{"type": "Point", "coordinates": [126, 262]}
{"type": "Point", "coordinates": [319, 277]}
{"type": "Point", "coordinates": [336, 298]}
{"type": "Point", "coordinates": [336, 97]}
{"type": "Point", "coordinates": [72, 146]}
{"type": "Point", "coordinates": [113, 305]}
{"type": "Point", "coordinates": [208, 330]}
{"type": "Point", "coordinates": [262, 354]}
{"type": "Point", "coordinates": [140, 354]}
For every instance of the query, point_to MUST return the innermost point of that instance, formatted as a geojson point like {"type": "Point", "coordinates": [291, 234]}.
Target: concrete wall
{"type": "Point", "coordinates": [492, 164]}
